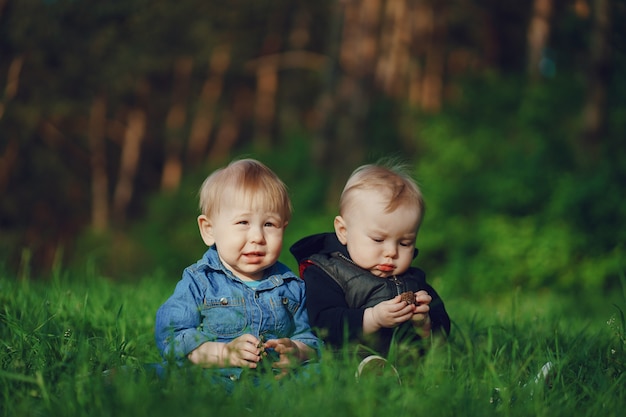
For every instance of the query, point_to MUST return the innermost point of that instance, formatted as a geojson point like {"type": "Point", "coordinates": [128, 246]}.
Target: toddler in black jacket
{"type": "Point", "coordinates": [360, 284]}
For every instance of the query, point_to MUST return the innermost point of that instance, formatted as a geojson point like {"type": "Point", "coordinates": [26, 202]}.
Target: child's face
{"type": "Point", "coordinates": [379, 241]}
{"type": "Point", "coordinates": [248, 239]}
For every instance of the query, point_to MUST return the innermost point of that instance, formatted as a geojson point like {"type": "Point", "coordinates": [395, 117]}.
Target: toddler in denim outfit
{"type": "Point", "coordinates": [238, 303]}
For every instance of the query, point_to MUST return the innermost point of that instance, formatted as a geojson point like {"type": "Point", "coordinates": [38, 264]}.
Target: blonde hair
{"type": "Point", "coordinates": [392, 181]}
{"type": "Point", "coordinates": [258, 185]}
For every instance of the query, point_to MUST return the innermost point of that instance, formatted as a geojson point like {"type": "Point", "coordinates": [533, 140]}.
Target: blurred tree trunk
{"type": "Point", "coordinates": [325, 105]}
{"type": "Point", "coordinates": [291, 114]}
{"type": "Point", "coordinates": [598, 78]}
{"type": "Point", "coordinates": [13, 80]}
{"type": "Point", "coordinates": [9, 155]}
{"type": "Point", "coordinates": [8, 159]}
{"type": "Point", "coordinates": [538, 35]}
{"type": "Point", "coordinates": [393, 52]}
{"type": "Point", "coordinates": [175, 123]}
{"type": "Point", "coordinates": [99, 177]}
{"type": "Point", "coordinates": [433, 36]}
{"type": "Point", "coordinates": [393, 46]}
{"type": "Point", "coordinates": [267, 82]}
{"type": "Point", "coordinates": [345, 101]}
{"type": "Point", "coordinates": [202, 124]}
{"type": "Point", "coordinates": [129, 162]}
{"type": "Point", "coordinates": [225, 138]}
{"type": "Point", "coordinates": [265, 101]}
{"type": "Point", "coordinates": [266, 69]}
{"type": "Point", "coordinates": [421, 27]}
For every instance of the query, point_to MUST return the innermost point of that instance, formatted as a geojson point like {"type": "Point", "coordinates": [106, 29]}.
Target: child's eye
{"type": "Point", "coordinates": [242, 222]}
{"type": "Point", "coordinates": [270, 224]}
{"type": "Point", "coordinates": [405, 244]}
{"type": "Point", "coordinates": [377, 240]}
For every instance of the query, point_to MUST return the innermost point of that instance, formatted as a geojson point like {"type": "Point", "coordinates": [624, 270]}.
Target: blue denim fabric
{"type": "Point", "coordinates": [210, 304]}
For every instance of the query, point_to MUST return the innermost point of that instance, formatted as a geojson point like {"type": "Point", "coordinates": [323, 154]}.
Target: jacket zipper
{"type": "Point", "coordinates": [399, 289]}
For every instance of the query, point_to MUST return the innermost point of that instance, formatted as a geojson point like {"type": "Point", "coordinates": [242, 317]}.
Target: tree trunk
{"type": "Point", "coordinates": [8, 159]}
{"type": "Point", "coordinates": [538, 35]}
{"type": "Point", "coordinates": [202, 124]}
{"type": "Point", "coordinates": [225, 139]}
{"type": "Point", "coordinates": [99, 178]}
{"type": "Point", "coordinates": [13, 80]}
{"type": "Point", "coordinates": [265, 104]}
{"type": "Point", "coordinates": [174, 125]}
{"type": "Point", "coordinates": [598, 78]}
{"type": "Point", "coordinates": [434, 58]}
{"type": "Point", "coordinates": [131, 147]}
{"type": "Point", "coordinates": [422, 26]}
{"type": "Point", "coordinates": [345, 100]}
{"type": "Point", "coordinates": [391, 68]}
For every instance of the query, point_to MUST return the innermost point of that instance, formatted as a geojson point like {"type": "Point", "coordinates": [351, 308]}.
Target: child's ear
{"type": "Point", "coordinates": [206, 230]}
{"type": "Point", "coordinates": [341, 230]}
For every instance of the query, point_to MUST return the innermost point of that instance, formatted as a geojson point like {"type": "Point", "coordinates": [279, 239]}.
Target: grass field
{"type": "Point", "coordinates": [58, 336]}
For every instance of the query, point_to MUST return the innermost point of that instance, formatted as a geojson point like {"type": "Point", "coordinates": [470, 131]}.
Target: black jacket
{"type": "Point", "coordinates": [338, 292]}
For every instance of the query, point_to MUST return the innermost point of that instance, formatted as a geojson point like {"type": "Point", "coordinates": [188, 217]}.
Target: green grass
{"type": "Point", "coordinates": [58, 336]}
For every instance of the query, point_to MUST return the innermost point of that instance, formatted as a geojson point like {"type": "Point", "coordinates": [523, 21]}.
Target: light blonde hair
{"type": "Point", "coordinates": [258, 185]}
{"type": "Point", "coordinates": [391, 180]}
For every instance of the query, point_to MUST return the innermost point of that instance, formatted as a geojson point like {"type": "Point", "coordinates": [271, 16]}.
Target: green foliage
{"type": "Point", "coordinates": [57, 338]}
{"type": "Point", "coordinates": [510, 202]}
{"type": "Point", "coordinates": [515, 197]}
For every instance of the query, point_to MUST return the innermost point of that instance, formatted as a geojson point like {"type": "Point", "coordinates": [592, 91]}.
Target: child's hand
{"type": "Point", "coordinates": [421, 318]}
{"type": "Point", "coordinates": [390, 313]}
{"type": "Point", "coordinates": [289, 354]}
{"type": "Point", "coordinates": [243, 351]}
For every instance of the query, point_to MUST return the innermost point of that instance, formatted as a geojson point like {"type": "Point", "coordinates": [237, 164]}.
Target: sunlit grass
{"type": "Point", "coordinates": [57, 337]}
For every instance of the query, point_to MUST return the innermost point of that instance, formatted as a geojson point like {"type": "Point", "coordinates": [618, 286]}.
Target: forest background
{"type": "Point", "coordinates": [513, 114]}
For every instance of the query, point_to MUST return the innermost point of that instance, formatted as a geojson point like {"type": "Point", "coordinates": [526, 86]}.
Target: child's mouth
{"type": "Point", "coordinates": [254, 256]}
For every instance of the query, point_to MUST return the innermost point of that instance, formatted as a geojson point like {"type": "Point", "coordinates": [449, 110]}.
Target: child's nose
{"type": "Point", "coordinates": [256, 235]}
{"type": "Point", "coordinates": [390, 250]}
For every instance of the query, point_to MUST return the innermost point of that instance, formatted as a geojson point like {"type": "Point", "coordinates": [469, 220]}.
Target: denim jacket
{"type": "Point", "coordinates": [210, 304]}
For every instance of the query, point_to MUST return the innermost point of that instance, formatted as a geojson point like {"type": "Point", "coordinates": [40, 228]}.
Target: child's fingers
{"type": "Point", "coordinates": [246, 341]}
{"type": "Point", "coordinates": [422, 297]}
{"type": "Point", "coordinates": [244, 351]}
{"type": "Point", "coordinates": [271, 343]}
{"type": "Point", "coordinates": [422, 309]}
{"type": "Point", "coordinates": [279, 344]}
